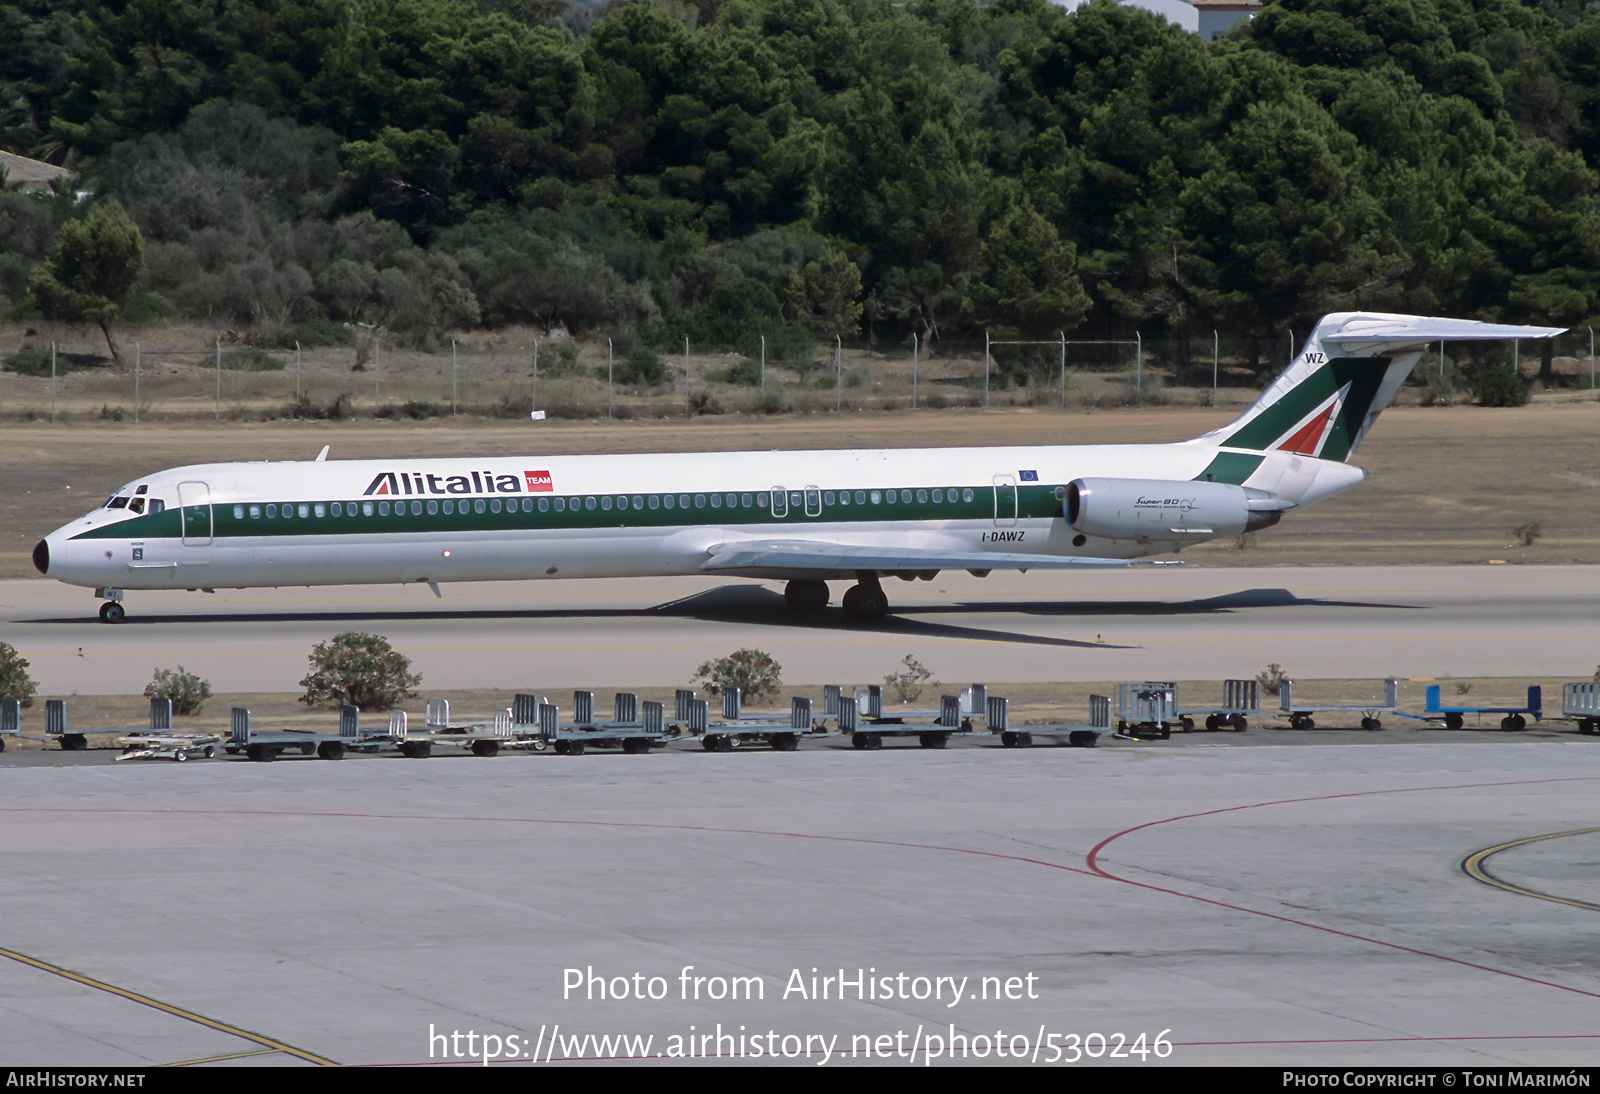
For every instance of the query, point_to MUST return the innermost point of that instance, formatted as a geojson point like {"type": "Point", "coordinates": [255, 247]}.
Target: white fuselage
{"type": "Point", "coordinates": [381, 521]}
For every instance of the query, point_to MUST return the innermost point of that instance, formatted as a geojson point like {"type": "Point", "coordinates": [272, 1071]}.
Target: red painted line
{"type": "Point", "coordinates": [1092, 861]}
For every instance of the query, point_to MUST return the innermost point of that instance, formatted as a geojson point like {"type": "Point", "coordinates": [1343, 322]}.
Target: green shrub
{"type": "Point", "coordinates": [745, 371]}
{"type": "Point", "coordinates": [642, 367]}
{"type": "Point", "coordinates": [15, 683]}
{"type": "Point", "coordinates": [34, 361]}
{"type": "Point", "coordinates": [186, 690]}
{"type": "Point", "coordinates": [907, 684]}
{"type": "Point", "coordinates": [358, 668]}
{"type": "Point", "coordinates": [1496, 387]}
{"type": "Point", "coordinates": [703, 402]}
{"type": "Point", "coordinates": [250, 360]}
{"type": "Point", "coordinates": [559, 362]}
{"type": "Point", "coordinates": [1272, 679]}
{"type": "Point", "coordinates": [753, 672]}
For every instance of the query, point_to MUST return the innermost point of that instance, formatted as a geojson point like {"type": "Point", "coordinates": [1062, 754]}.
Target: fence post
{"type": "Point", "coordinates": [297, 374]}
{"type": "Point", "coordinates": [1063, 367]}
{"type": "Point", "coordinates": [986, 368]}
{"type": "Point", "coordinates": [533, 396]}
{"type": "Point", "coordinates": [763, 367]}
{"type": "Point", "coordinates": [838, 374]}
{"type": "Point", "coordinates": [609, 377]}
{"type": "Point", "coordinates": [914, 347]}
{"type": "Point", "coordinates": [136, 362]}
{"type": "Point", "coordinates": [686, 376]}
{"type": "Point", "coordinates": [1215, 346]}
{"type": "Point", "coordinates": [52, 381]}
{"type": "Point", "coordinates": [454, 374]}
{"type": "Point", "coordinates": [1138, 365]}
{"type": "Point", "coordinates": [219, 378]}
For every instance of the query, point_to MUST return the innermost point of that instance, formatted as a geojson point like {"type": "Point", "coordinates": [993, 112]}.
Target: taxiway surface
{"type": "Point", "coordinates": [1174, 903]}
{"type": "Point", "coordinates": [1145, 623]}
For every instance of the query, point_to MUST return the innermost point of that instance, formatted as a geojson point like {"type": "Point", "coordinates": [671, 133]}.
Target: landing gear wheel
{"type": "Point", "coordinates": [806, 595]}
{"type": "Point", "coordinates": [866, 603]}
{"type": "Point", "coordinates": [111, 612]}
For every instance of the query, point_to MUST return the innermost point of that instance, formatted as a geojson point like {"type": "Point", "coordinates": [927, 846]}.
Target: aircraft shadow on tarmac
{"type": "Point", "coordinates": [755, 604]}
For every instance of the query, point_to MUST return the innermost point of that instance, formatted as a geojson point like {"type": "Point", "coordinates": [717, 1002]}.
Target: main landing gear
{"type": "Point", "coordinates": [864, 602]}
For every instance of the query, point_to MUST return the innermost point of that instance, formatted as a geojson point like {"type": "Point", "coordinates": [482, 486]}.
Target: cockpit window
{"type": "Point", "coordinates": [117, 503]}
{"type": "Point", "coordinates": [137, 505]}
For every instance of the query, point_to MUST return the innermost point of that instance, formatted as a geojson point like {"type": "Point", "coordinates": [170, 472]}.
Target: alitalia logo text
{"type": "Point", "coordinates": [477, 482]}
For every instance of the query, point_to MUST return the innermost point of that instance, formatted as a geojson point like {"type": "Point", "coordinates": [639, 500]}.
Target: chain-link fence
{"type": "Point", "coordinates": [504, 376]}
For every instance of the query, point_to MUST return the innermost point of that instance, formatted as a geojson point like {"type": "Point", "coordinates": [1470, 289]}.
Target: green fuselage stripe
{"type": "Point", "coordinates": [1032, 501]}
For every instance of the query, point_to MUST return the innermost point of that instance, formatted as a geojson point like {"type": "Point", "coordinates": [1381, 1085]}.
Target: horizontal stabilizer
{"type": "Point", "coordinates": [1399, 331]}
{"type": "Point", "coordinates": [777, 556]}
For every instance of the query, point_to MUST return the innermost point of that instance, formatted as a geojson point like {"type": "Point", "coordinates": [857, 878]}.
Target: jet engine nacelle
{"type": "Point", "coordinates": [1163, 509]}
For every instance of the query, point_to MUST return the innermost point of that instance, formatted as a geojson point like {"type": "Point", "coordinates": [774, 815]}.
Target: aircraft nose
{"type": "Point", "coordinates": [41, 557]}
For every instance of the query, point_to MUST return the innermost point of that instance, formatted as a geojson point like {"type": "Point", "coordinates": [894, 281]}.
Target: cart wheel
{"type": "Point", "coordinates": [709, 742]}
{"type": "Point", "coordinates": [331, 750]}
{"type": "Point", "coordinates": [1240, 723]}
{"type": "Point", "coordinates": [1008, 739]}
{"type": "Point", "coordinates": [1454, 721]}
{"type": "Point", "coordinates": [486, 748]}
{"type": "Point", "coordinates": [1024, 740]}
{"type": "Point", "coordinates": [1212, 723]}
{"type": "Point", "coordinates": [1188, 724]}
{"type": "Point", "coordinates": [858, 740]}
{"type": "Point", "coordinates": [180, 755]}
{"type": "Point", "coordinates": [210, 752]}
{"type": "Point", "coordinates": [538, 744]}
{"type": "Point", "coordinates": [563, 747]}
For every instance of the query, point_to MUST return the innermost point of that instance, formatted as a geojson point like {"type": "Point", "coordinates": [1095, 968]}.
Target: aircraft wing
{"type": "Point", "coordinates": [814, 556]}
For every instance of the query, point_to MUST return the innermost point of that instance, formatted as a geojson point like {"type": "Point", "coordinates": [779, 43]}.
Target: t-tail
{"type": "Point", "coordinates": [1324, 403]}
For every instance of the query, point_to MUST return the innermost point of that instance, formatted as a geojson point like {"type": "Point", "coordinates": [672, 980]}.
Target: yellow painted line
{"type": "Point", "coordinates": [224, 1056]}
{"type": "Point", "coordinates": [1473, 866]}
{"type": "Point", "coordinates": [269, 1043]}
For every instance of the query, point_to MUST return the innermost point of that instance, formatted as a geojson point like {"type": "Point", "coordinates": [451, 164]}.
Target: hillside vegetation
{"type": "Point", "coordinates": [727, 170]}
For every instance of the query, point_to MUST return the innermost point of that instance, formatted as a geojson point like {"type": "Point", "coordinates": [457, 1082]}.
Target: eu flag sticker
{"type": "Point", "coordinates": [1028, 476]}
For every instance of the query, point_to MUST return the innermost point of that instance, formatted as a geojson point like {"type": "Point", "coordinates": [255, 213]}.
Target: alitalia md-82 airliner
{"type": "Point", "coordinates": [804, 518]}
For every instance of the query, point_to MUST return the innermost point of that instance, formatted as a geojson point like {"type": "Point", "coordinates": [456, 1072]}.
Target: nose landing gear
{"type": "Point", "coordinates": [111, 611]}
